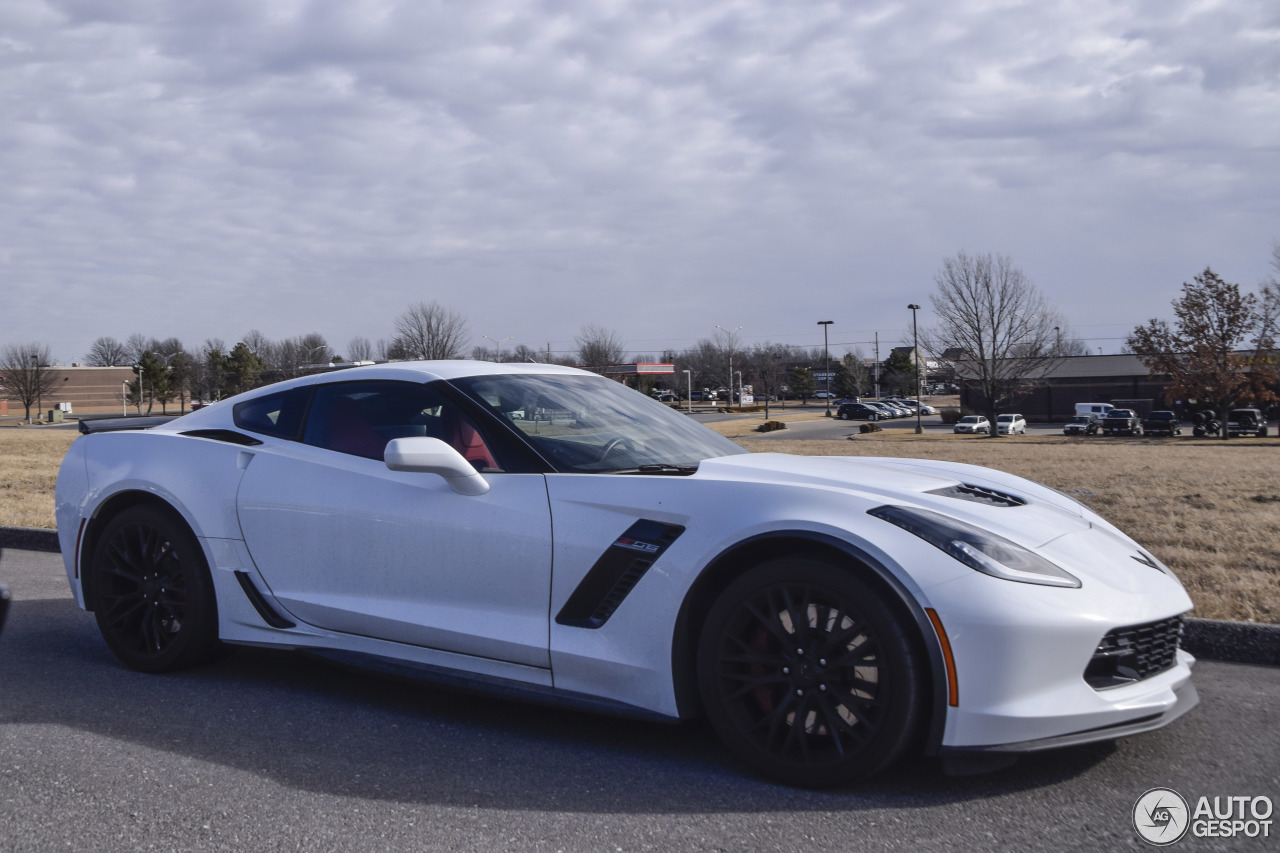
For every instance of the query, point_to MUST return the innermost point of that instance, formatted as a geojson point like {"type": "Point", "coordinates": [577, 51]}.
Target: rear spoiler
{"type": "Point", "coordinates": [116, 424]}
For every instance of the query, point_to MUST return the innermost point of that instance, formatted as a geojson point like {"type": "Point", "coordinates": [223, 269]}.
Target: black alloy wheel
{"type": "Point", "coordinates": [808, 676]}
{"type": "Point", "coordinates": [151, 593]}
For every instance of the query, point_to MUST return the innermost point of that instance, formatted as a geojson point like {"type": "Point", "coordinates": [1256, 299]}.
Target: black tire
{"type": "Point", "coordinates": [151, 592]}
{"type": "Point", "coordinates": [807, 675]}
{"type": "Point", "coordinates": [844, 416]}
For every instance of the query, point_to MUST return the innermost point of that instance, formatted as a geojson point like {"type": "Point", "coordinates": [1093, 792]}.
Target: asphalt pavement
{"type": "Point", "coordinates": [270, 750]}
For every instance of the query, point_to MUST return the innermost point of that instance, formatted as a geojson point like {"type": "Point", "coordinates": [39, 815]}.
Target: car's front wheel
{"type": "Point", "coordinates": [151, 592]}
{"type": "Point", "coordinates": [807, 675]}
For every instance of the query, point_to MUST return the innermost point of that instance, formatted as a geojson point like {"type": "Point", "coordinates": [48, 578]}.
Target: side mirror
{"type": "Point", "coordinates": [432, 456]}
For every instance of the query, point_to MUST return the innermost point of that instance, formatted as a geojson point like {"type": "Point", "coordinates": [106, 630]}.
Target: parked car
{"type": "Point", "coordinates": [824, 615]}
{"type": "Point", "coordinates": [1122, 422]}
{"type": "Point", "coordinates": [667, 398]}
{"type": "Point", "coordinates": [913, 405]}
{"type": "Point", "coordinates": [858, 412]}
{"type": "Point", "coordinates": [972, 424]}
{"type": "Point", "coordinates": [1162, 423]}
{"type": "Point", "coordinates": [1247, 422]}
{"type": "Point", "coordinates": [1081, 425]}
{"type": "Point", "coordinates": [1011, 424]}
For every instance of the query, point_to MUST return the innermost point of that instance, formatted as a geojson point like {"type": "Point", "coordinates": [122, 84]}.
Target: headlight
{"type": "Point", "coordinates": [976, 548]}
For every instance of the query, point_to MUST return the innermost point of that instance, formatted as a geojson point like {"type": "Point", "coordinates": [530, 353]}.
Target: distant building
{"type": "Point", "coordinates": [85, 389]}
{"type": "Point", "coordinates": [1122, 380]}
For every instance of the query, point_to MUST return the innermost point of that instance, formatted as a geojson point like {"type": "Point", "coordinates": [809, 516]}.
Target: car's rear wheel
{"type": "Point", "coordinates": [807, 675]}
{"type": "Point", "coordinates": [151, 592]}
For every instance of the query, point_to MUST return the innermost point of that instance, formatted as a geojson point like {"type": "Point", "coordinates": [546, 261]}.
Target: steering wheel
{"type": "Point", "coordinates": [613, 444]}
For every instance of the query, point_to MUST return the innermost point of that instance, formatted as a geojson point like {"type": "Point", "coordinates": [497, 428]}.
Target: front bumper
{"type": "Point", "coordinates": [1185, 698]}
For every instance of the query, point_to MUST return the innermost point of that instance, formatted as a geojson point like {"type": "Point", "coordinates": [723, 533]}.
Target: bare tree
{"type": "Point", "coordinates": [524, 353]}
{"type": "Point", "coordinates": [107, 352]}
{"type": "Point", "coordinates": [996, 323]}
{"type": "Point", "coordinates": [598, 347]}
{"type": "Point", "coordinates": [359, 349]}
{"type": "Point", "coordinates": [428, 330]}
{"type": "Point", "coordinates": [137, 346]}
{"type": "Point", "coordinates": [25, 374]}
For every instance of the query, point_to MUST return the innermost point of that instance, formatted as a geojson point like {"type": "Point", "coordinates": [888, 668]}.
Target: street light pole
{"type": "Point", "coordinates": [499, 344]}
{"type": "Point", "coordinates": [826, 357]}
{"type": "Point", "coordinates": [688, 400]}
{"type": "Point", "coordinates": [915, 356]}
{"type": "Point", "coordinates": [39, 389]}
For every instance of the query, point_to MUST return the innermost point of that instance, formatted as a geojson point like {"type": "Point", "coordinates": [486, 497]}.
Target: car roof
{"type": "Point", "coordinates": [405, 371]}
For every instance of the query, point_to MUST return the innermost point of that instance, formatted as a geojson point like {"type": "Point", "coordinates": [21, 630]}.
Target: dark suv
{"type": "Point", "coordinates": [1162, 423]}
{"type": "Point", "coordinates": [1247, 422]}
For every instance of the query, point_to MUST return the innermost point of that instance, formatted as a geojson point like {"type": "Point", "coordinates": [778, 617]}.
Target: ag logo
{"type": "Point", "coordinates": [1161, 816]}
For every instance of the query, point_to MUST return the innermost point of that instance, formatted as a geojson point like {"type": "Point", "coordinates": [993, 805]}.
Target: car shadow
{"type": "Point", "coordinates": [314, 726]}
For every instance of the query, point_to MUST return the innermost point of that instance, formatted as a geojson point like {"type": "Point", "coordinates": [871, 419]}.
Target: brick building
{"type": "Point", "coordinates": [88, 390]}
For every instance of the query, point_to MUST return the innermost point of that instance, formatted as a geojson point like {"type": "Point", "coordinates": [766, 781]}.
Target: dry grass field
{"type": "Point", "coordinates": [1209, 509]}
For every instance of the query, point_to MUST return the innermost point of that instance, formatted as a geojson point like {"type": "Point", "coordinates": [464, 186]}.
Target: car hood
{"type": "Point", "coordinates": [1044, 516]}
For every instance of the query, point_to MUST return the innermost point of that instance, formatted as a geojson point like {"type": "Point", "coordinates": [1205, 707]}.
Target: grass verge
{"type": "Point", "coordinates": [1209, 509]}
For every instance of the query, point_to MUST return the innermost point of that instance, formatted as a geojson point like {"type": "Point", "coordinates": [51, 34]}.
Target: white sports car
{"type": "Point", "coordinates": [546, 533]}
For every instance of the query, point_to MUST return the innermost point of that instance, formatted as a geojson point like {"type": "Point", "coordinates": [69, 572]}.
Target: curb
{"type": "Point", "coordinates": [1207, 639]}
{"type": "Point", "coordinates": [29, 539]}
{"type": "Point", "coordinates": [1237, 642]}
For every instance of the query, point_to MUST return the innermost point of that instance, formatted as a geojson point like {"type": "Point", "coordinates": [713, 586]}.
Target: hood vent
{"type": "Point", "coordinates": [966, 492]}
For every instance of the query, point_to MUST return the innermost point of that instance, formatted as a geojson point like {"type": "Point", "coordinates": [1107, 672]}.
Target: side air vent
{"type": "Point", "coordinates": [228, 435]}
{"type": "Point", "coordinates": [966, 492]}
{"type": "Point", "coordinates": [616, 573]}
{"type": "Point", "coordinates": [268, 614]}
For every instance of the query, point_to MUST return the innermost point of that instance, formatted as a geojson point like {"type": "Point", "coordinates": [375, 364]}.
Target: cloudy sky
{"type": "Point", "coordinates": [200, 168]}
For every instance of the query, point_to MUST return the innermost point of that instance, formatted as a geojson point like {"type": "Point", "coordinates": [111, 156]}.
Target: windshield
{"type": "Point", "coordinates": [589, 424]}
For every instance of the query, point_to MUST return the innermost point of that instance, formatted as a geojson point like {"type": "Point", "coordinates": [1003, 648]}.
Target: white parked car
{"type": "Point", "coordinates": [603, 551]}
{"type": "Point", "coordinates": [972, 424]}
{"type": "Point", "coordinates": [1011, 424]}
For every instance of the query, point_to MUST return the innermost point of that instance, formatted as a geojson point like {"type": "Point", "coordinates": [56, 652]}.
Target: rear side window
{"type": "Point", "coordinates": [278, 415]}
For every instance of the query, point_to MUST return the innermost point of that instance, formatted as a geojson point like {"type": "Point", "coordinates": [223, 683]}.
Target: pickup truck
{"type": "Point", "coordinates": [1122, 422]}
{"type": "Point", "coordinates": [1162, 423]}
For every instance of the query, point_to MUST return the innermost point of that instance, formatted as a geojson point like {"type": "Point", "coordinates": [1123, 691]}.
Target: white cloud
{"type": "Point", "coordinates": [654, 167]}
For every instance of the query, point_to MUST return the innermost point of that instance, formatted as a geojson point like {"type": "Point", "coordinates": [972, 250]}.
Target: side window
{"type": "Point", "coordinates": [359, 418]}
{"type": "Point", "coordinates": [279, 415]}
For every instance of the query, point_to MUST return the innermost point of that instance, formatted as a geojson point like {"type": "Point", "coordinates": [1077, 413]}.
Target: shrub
{"type": "Point", "coordinates": [950, 416]}
{"type": "Point", "coordinates": [870, 427]}
{"type": "Point", "coordinates": [770, 426]}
